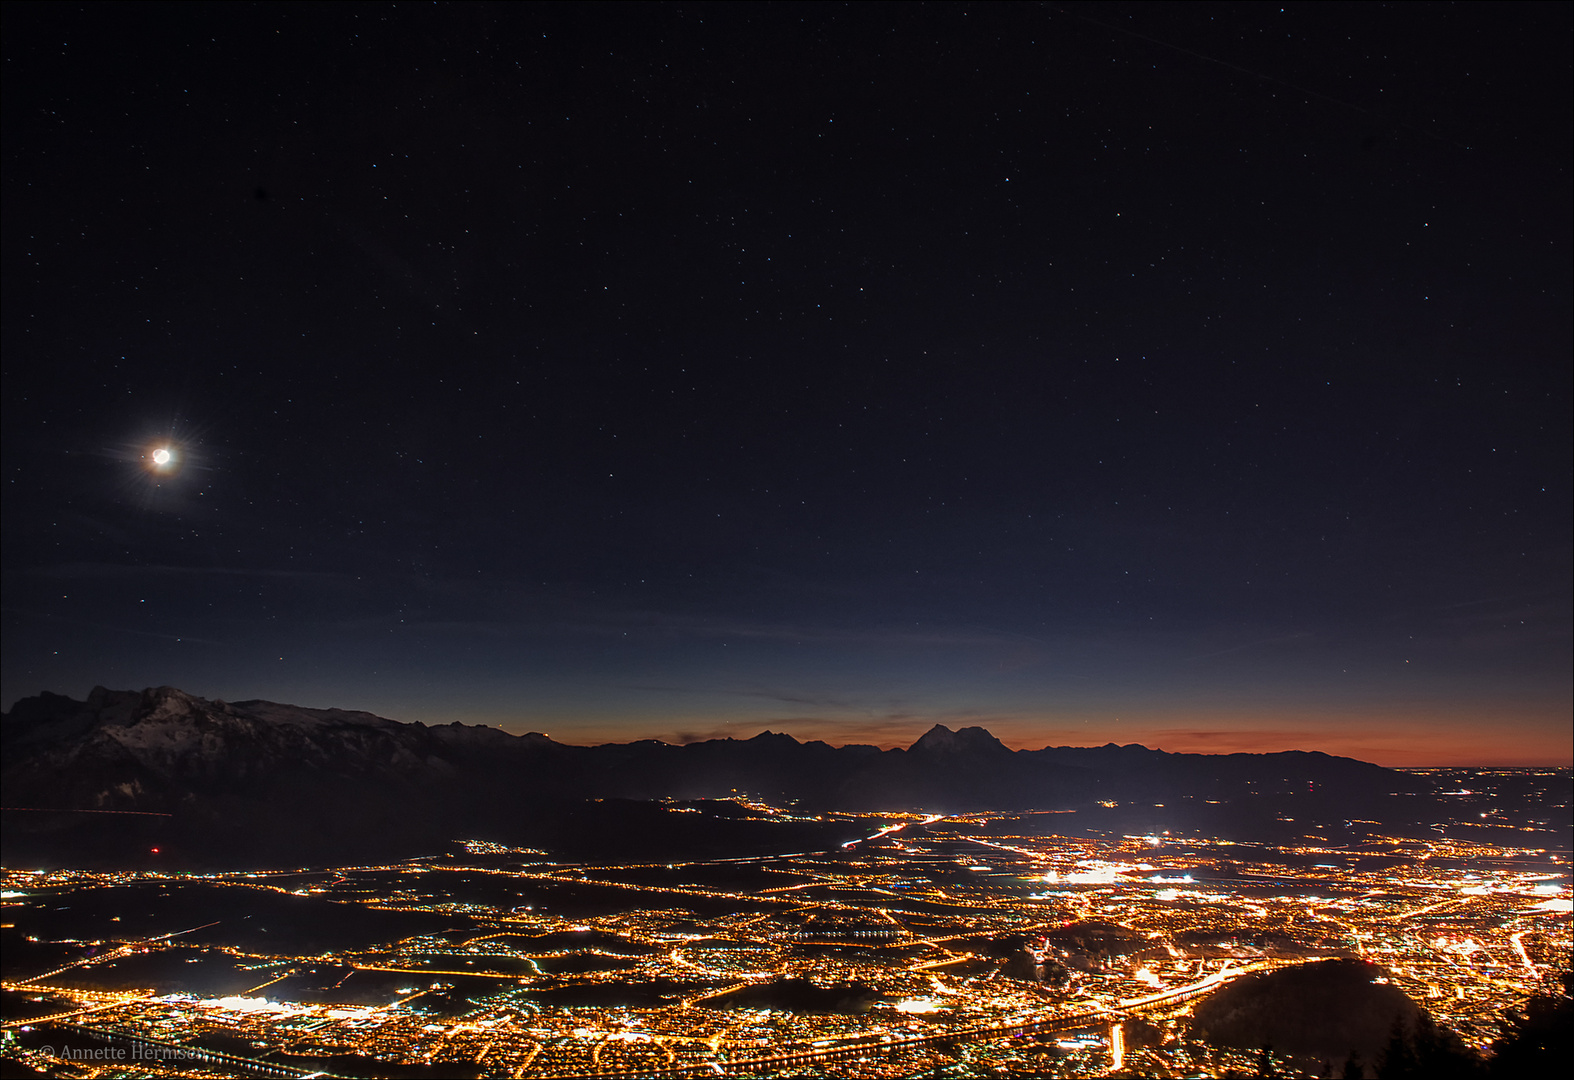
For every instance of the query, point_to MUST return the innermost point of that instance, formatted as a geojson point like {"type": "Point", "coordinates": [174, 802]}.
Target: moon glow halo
{"type": "Point", "coordinates": [163, 459]}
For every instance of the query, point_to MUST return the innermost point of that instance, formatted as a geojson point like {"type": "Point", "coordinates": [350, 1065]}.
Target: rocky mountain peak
{"type": "Point", "coordinates": [969, 740]}
{"type": "Point", "coordinates": [773, 738]}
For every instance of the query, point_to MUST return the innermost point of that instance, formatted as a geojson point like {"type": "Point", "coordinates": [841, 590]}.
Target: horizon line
{"type": "Point", "coordinates": [1222, 739]}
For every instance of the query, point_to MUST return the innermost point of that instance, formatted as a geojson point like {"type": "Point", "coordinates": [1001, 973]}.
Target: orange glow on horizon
{"type": "Point", "coordinates": [1409, 738]}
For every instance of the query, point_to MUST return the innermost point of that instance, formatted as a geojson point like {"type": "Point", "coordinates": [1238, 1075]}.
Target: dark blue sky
{"type": "Point", "coordinates": [1187, 374]}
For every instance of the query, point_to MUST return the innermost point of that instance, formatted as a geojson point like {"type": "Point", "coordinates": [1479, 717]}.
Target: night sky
{"type": "Point", "coordinates": [1188, 374]}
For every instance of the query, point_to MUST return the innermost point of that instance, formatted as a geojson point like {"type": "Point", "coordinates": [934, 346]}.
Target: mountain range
{"type": "Point", "coordinates": [261, 780]}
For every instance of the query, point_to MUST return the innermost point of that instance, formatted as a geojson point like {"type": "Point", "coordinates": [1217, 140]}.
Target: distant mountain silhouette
{"type": "Point", "coordinates": [942, 741]}
{"type": "Point", "coordinates": [255, 778]}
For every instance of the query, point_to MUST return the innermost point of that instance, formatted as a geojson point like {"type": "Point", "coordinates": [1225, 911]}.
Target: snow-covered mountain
{"type": "Point", "coordinates": [121, 749]}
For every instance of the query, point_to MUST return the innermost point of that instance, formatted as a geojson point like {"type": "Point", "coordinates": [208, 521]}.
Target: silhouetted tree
{"type": "Point", "coordinates": [1426, 1050]}
{"type": "Point", "coordinates": [1538, 1038]}
{"type": "Point", "coordinates": [1353, 1067]}
{"type": "Point", "coordinates": [1398, 1059]}
{"type": "Point", "coordinates": [1440, 1054]}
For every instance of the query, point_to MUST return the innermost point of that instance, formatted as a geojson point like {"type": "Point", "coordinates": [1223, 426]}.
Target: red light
{"type": "Point", "coordinates": [153, 850]}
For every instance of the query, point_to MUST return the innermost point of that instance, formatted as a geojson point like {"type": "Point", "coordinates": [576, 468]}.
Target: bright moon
{"type": "Point", "coordinates": [161, 456]}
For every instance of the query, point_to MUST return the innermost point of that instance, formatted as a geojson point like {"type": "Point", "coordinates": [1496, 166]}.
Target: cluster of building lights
{"type": "Point", "coordinates": [917, 922]}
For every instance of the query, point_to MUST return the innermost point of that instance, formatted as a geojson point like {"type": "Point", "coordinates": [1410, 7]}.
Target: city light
{"type": "Point", "coordinates": [906, 946]}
